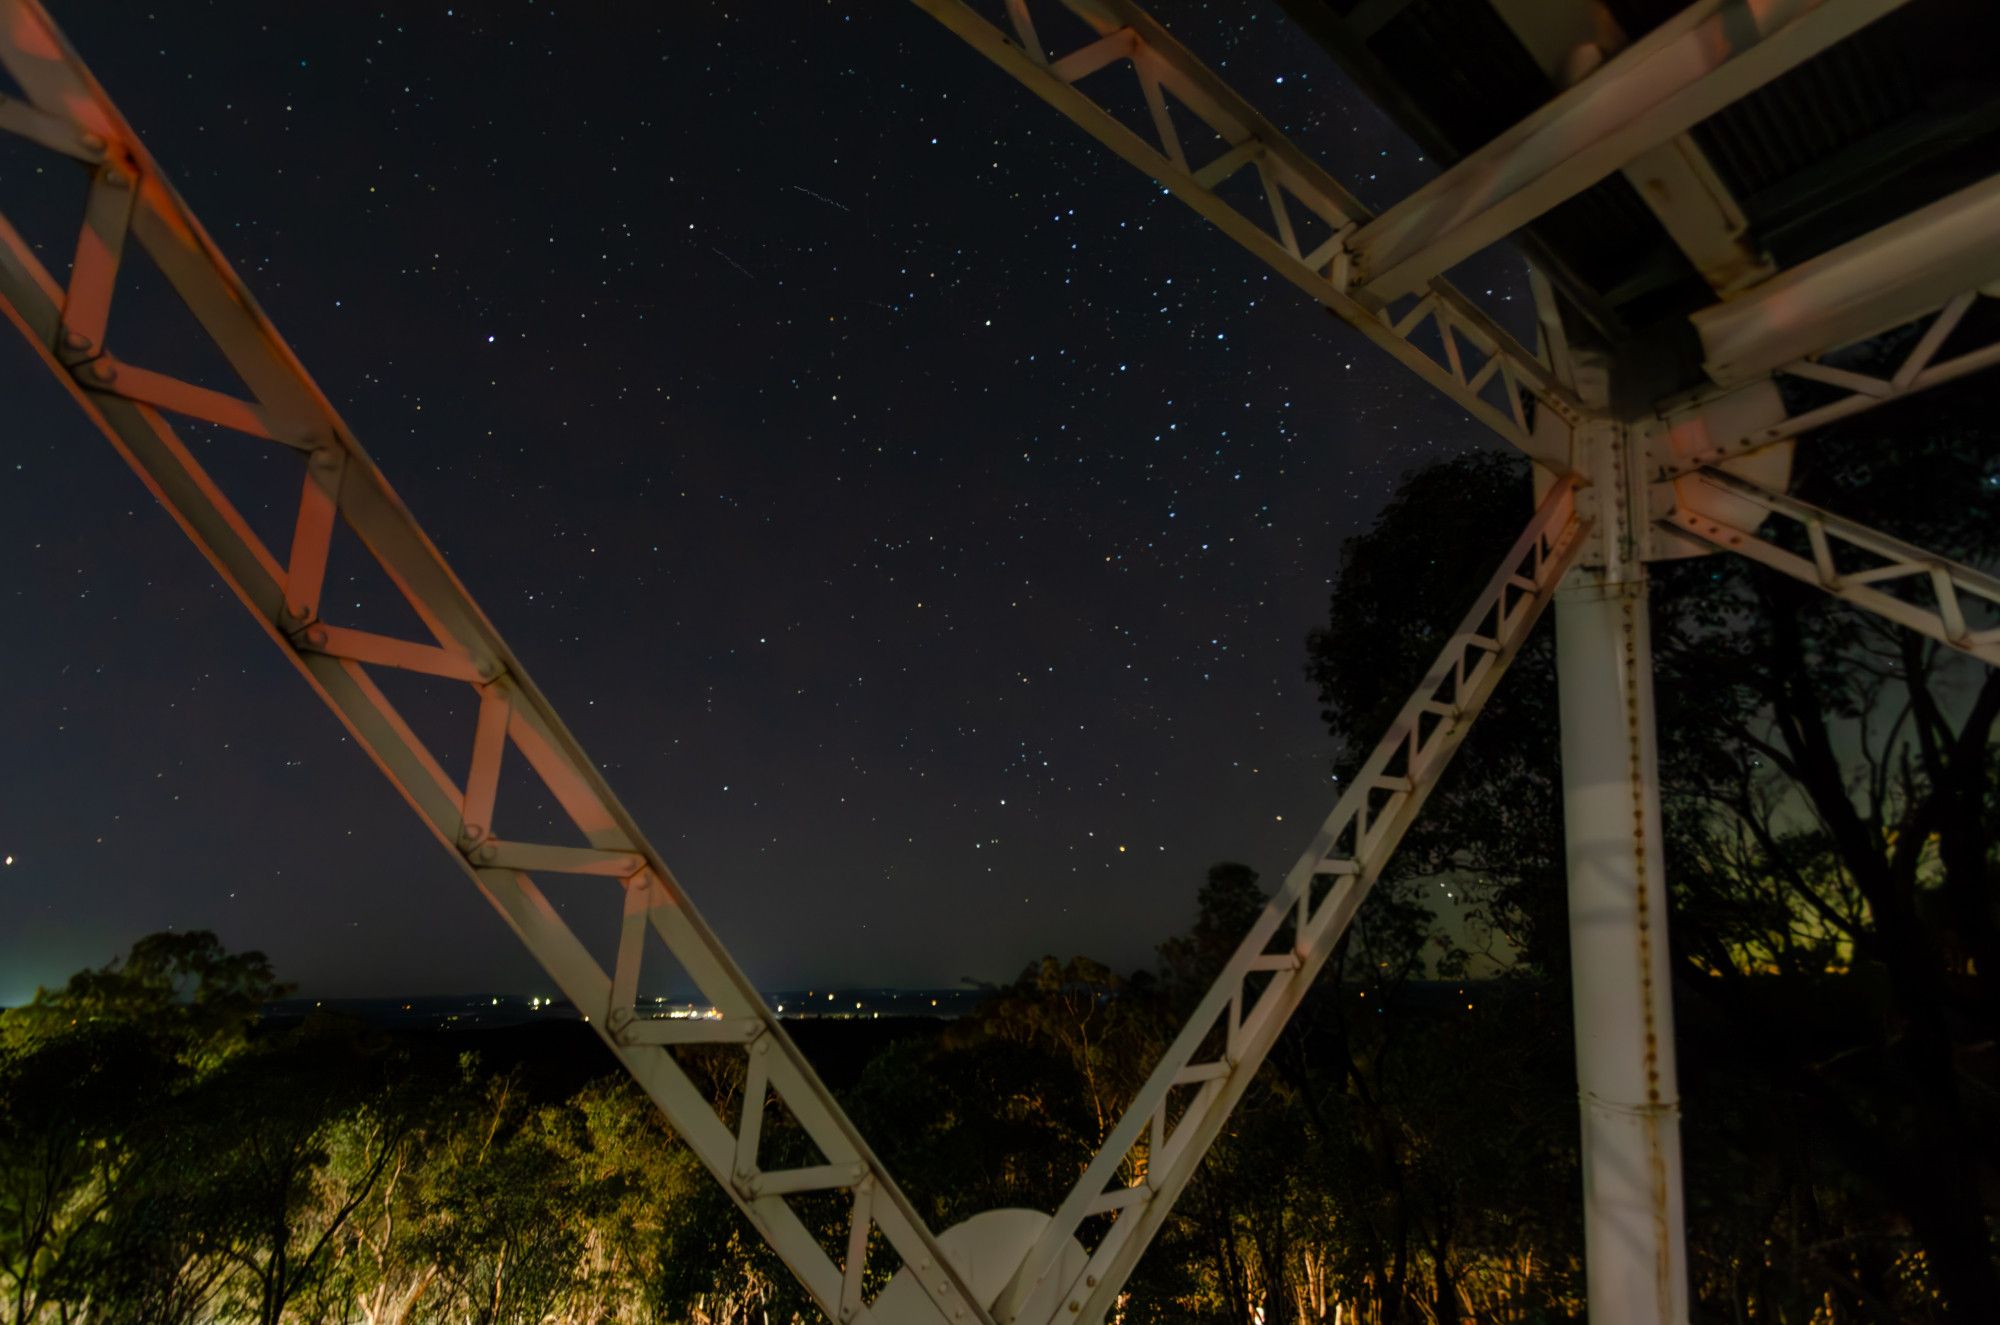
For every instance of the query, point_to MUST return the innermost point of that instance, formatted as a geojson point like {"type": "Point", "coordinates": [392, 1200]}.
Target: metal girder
{"type": "Point", "coordinates": [1149, 1155]}
{"type": "Point", "coordinates": [1570, 40]}
{"type": "Point", "coordinates": [1441, 335]}
{"type": "Point", "coordinates": [1682, 189]}
{"type": "Point", "coordinates": [129, 201]}
{"type": "Point", "coordinates": [1722, 426]}
{"type": "Point", "coordinates": [1670, 80]}
{"type": "Point", "coordinates": [1848, 560]}
{"type": "Point", "coordinates": [1868, 285]}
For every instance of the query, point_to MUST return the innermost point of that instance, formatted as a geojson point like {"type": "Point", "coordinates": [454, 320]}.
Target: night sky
{"type": "Point", "coordinates": [917, 512]}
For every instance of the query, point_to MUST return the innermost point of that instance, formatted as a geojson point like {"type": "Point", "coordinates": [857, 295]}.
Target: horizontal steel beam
{"type": "Point", "coordinates": [1881, 280]}
{"type": "Point", "coordinates": [1679, 74]}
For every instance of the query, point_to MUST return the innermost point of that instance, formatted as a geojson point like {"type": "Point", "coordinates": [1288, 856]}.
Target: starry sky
{"type": "Point", "coordinates": [917, 512]}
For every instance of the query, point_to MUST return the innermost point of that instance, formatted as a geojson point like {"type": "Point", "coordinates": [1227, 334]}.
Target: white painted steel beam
{"type": "Point", "coordinates": [343, 495]}
{"type": "Point", "coordinates": [1681, 188]}
{"type": "Point", "coordinates": [1635, 1240]}
{"type": "Point", "coordinates": [1883, 279]}
{"type": "Point", "coordinates": [1634, 1226]}
{"type": "Point", "coordinates": [1571, 39]}
{"type": "Point", "coordinates": [1306, 218]}
{"type": "Point", "coordinates": [1935, 596]}
{"type": "Point", "coordinates": [1679, 74]}
{"type": "Point", "coordinates": [1152, 1151]}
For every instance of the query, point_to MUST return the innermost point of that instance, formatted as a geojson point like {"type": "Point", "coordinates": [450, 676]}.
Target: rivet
{"type": "Point", "coordinates": [488, 852]}
{"type": "Point", "coordinates": [92, 142]}
{"type": "Point", "coordinates": [103, 369]}
{"type": "Point", "coordinates": [75, 340]}
{"type": "Point", "coordinates": [316, 637]}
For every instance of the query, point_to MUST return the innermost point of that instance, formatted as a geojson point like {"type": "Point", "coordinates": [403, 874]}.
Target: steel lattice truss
{"type": "Point", "coordinates": [1952, 604]}
{"type": "Point", "coordinates": [1434, 329]}
{"type": "Point", "coordinates": [1153, 1149]}
{"type": "Point", "coordinates": [1380, 274]}
{"type": "Point", "coordinates": [341, 490]}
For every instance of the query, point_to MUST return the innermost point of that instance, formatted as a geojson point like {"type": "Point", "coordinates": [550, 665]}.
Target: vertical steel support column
{"type": "Point", "coordinates": [1634, 1241]}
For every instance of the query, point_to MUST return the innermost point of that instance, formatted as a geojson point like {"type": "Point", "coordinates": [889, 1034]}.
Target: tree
{"type": "Point", "coordinates": [90, 1077]}
{"type": "Point", "coordinates": [184, 987]}
{"type": "Point", "coordinates": [1833, 814]}
{"type": "Point", "coordinates": [73, 1136]}
{"type": "Point", "coordinates": [269, 1126]}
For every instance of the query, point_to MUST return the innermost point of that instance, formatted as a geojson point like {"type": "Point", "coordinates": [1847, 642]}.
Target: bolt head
{"type": "Point", "coordinates": [75, 340]}
{"type": "Point", "coordinates": [103, 369]}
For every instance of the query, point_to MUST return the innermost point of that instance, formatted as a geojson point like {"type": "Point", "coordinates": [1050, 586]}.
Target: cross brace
{"type": "Point", "coordinates": [1677, 75]}
{"type": "Point", "coordinates": [1922, 591]}
{"type": "Point", "coordinates": [1153, 1150]}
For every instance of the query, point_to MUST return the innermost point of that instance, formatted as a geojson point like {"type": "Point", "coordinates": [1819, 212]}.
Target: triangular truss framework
{"type": "Point", "coordinates": [1688, 476]}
